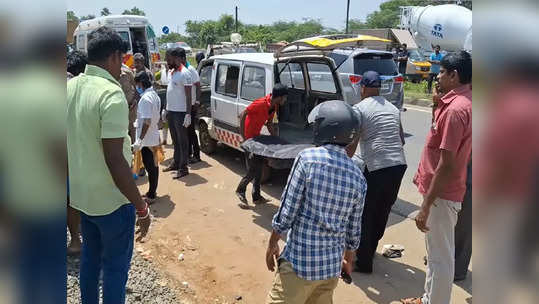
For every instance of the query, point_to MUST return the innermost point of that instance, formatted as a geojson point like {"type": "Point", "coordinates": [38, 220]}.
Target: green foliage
{"type": "Point", "coordinates": [202, 33]}
{"type": "Point", "coordinates": [71, 16]}
{"type": "Point", "coordinates": [134, 11]}
{"type": "Point", "coordinates": [105, 11]}
{"type": "Point", "coordinates": [87, 17]}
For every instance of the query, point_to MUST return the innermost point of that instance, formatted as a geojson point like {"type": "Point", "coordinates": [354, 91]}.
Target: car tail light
{"type": "Point", "coordinates": [399, 79]}
{"type": "Point", "coordinates": [355, 79]}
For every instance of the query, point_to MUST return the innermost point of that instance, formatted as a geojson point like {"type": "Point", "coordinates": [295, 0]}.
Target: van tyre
{"type": "Point", "coordinates": [208, 145]}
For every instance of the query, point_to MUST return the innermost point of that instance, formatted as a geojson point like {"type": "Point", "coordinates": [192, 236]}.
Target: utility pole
{"type": "Point", "coordinates": [236, 19]}
{"type": "Point", "coordinates": [347, 16]}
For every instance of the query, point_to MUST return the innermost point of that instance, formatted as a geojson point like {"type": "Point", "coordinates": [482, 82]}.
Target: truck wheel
{"type": "Point", "coordinates": [208, 145]}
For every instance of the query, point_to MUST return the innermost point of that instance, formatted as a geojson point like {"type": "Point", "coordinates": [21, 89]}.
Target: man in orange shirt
{"type": "Point", "coordinates": [258, 113]}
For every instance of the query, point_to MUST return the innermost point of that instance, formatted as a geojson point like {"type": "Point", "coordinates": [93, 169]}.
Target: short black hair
{"type": "Point", "coordinates": [104, 42]}
{"type": "Point", "coordinates": [404, 44]}
{"type": "Point", "coordinates": [76, 62]}
{"type": "Point", "coordinates": [437, 46]}
{"type": "Point", "coordinates": [279, 90]}
{"type": "Point", "coordinates": [460, 62]}
{"type": "Point", "coordinates": [176, 52]}
{"type": "Point", "coordinates": [199, 57]}
{"type": "Point", "coordinates": [143, 78]}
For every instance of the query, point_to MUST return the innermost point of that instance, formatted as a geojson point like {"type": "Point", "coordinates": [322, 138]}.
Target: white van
{"type": "Point", "coordinates": [135, 30]}
{"type": "Point", "coordinates": [235, 80]}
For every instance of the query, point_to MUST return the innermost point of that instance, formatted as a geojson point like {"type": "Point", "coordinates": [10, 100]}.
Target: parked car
{"type": "Point", "coordinates": [183, 45]}
{"type": "Point", "coordinates": [231, 82]}
{"type": "Point", "coordinates": [231, 48]}
{"type": "Point", "coordinates": [352, 63]}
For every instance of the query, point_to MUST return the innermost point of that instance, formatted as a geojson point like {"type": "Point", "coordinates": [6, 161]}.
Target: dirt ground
{"type": "Point", "coordinates": [204, 241]}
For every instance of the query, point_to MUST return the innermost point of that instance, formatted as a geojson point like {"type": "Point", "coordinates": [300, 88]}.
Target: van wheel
{"type": "Point", "coordinates": [208, 145]}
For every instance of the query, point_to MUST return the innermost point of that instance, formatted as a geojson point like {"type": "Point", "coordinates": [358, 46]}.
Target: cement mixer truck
{"type": "Point", "coordinates": [449, 26]}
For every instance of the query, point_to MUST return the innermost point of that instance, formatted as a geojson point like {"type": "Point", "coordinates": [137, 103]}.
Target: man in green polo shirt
{"type": "Point", "coordinates": [100, 180]}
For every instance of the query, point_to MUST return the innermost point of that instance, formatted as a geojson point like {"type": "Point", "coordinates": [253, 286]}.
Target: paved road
{"type": "Point", "coordinates": [416, 123]}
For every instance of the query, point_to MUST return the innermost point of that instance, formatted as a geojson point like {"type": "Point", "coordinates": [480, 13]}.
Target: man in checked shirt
{"type": "Point", "coordinates": [321, 209]}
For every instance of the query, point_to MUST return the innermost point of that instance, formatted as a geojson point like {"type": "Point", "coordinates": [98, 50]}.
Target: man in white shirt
{"type": "Point", "coordinates": [147, 133]}
{"type": "Point", "coordinates": [179, 109]}
{"type": "Point", "coordinates": [194, 148]}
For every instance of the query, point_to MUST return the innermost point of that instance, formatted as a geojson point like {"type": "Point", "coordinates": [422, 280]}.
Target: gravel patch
{"type": "Point", "coordinates": [145, 283]}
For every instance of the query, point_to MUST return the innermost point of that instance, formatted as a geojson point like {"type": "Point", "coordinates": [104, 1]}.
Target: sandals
{"type": "Point", "coordinates": [392, 251]}
{"type": "Point", "coordinates": [412, 301]}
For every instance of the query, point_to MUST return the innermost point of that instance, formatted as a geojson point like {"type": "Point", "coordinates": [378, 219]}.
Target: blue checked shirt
{"type": "Point", "coordinates": [321, 209]}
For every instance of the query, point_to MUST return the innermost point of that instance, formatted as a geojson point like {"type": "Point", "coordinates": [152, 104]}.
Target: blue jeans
{"type": "Point", "coordinates": [107, 244]}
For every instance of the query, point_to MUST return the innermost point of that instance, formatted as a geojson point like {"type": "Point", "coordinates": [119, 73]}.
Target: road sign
{"type": "Point", "coordinates": [166, 30]}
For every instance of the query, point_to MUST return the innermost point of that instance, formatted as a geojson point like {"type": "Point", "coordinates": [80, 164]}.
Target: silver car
{"type": "Point", "coordinates": [352, 63]}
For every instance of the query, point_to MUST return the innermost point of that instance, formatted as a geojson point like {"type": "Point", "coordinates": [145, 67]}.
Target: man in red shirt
{"type": "Point", "coordinates": [258, 113]}
{"type": "Point", "coordinates": [441, 176]}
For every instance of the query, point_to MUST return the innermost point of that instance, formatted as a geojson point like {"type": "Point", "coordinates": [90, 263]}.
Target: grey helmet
{"type": "Point", "coordinates": [334, 122]}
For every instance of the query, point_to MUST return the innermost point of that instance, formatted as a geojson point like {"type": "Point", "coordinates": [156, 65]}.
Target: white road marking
{"type": "Point", "coordinates": [417, 108]}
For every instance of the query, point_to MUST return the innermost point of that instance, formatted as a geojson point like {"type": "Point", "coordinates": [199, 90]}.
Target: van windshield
{"type": "Point", "coordinates": [381, 63]}
{"type": "Point", "coordinates": [125, 38]}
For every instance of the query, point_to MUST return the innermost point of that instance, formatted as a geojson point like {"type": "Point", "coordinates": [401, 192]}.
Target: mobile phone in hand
{"type": "Point", "coordinates": [346, 277]}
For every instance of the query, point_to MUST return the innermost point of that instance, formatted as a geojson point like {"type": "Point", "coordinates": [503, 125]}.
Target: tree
{"type": "Point", "coordinates": [356, 24]}
{"type": "Point", "coordinates": [134, 11]}
{"type": "Point", "coordinates": [388, 15]}
{"type": "Point", "coordinates": [87, 17]}
{"type": "Point", "coordinates": [105, 11]}
{"type": "Point", "coordinates": [71, 16]}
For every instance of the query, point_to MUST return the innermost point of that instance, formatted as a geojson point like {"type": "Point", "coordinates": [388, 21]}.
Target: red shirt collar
{"type": "Point", "coordinates": [179, 69]}
{"type": "Point", "coordinates": [462, 90]}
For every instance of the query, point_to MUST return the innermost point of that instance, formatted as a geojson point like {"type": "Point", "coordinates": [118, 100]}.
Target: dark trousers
{"type": "Point", "coordinates": [153, 171]}
{"type": "Point", "coordinates": [180, 140]}
{"type": "Point", "coordinates": [431, 79]}
{"type": "Point", "coordinates": [463, 236]}
{"type": "Point", "coordinates": [194, 148]}
{"type": "Point", "coordinates": [107, 244]}
{"type": "Point", "coordinates": [254, 173]}
{"type": "Point", "coordinates": [382, 189]}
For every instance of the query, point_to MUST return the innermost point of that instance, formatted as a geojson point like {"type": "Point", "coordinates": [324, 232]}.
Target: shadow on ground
{"type": "Point", "coordinates": [389, 279]}
{"type": "Point", "coordinates": [162, 207]}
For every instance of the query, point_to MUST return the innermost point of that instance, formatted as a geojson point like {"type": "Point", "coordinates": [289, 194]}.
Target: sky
{"type": "Point", "coordinates": [173, 14]}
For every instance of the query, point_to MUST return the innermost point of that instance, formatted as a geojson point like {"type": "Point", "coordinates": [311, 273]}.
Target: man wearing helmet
{"type": "Point", "coordinates": [321, 209]}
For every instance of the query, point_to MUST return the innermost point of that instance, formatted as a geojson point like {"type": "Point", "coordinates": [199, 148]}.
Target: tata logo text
{"type": "Point", "coordinates": [437, 31]}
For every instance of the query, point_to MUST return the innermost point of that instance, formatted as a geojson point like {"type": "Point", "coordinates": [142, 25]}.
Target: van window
{"type": "Point", "coordinates": [205, 75]}
{"type": "Point", "coordinates": [381, 63]}
{"type": "Point", "coordinates": [292, 75]}
{"type": "Point", "coordinates": [227, 80]}
{"type": "Point", "coordinates": [253, 84]}
{"type": "Point", "coordinates": [125, 38]}
{"type": "Point", "coordinates": [321, 78]}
